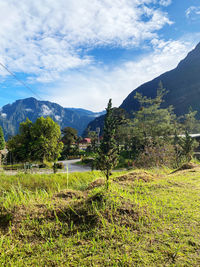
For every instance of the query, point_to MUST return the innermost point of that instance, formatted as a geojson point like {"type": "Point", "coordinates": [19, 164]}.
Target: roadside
{"type": "Point", "coordinates": [70, 166]}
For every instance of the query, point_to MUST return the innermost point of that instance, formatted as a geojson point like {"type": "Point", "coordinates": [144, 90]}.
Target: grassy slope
{"type": "Point", "coordinates": [147, 219]}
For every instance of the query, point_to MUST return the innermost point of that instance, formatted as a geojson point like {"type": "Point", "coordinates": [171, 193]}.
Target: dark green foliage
{"type": "Point", "coordinates": [108, 153]}
{"type": "Point", "coordinates": [152, 129]}
{"type": "Point", "coordinates": [2, 141]}
{"type": "Point", "coordinates": [152, 121]}
{"type": "Point", "coordinates": [190, 122]}
{"type": "Point", "coordinates": [92, 148]}
{"type": "Point", "coordinates": [57, 165]}
{"type": "Point", "coordinates": [69, 140]}
{"type": "Point", "coordinates": [20, 145]}
{"type": "Point", "coordinates": [187, 145]}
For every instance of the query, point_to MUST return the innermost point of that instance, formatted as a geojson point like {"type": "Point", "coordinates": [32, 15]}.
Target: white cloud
{"type": "Point", "coordinates": [46, 38]}
{"type": "Point", "coordinates": [49, 40]}
{"type": "Point", "coordinates": [193, 13]}
{"type": "Point", "coordinates": [92, 88]}
{"type": "Point", "coordinates": [165, 2]}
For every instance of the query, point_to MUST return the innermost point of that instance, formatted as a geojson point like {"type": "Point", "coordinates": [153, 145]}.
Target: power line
{"type": "Point", "coordinates": [20, 81]}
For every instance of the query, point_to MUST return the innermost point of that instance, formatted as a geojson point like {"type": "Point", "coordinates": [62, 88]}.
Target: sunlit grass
{"type": "Point", "coordinates": [139, 222]}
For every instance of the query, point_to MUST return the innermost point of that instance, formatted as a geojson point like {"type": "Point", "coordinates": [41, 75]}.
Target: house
{"type": "Point", "coordinates": [84, 143]}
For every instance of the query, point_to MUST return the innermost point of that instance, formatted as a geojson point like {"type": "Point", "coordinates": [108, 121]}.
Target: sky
{"type": "Point", "coordinates": [80, 53]}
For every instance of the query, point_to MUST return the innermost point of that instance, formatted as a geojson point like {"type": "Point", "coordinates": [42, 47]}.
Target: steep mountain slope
{"type": "Point", "coordinates": [12, 115]}
{"type": "Point", "coordinates": [182, 84]}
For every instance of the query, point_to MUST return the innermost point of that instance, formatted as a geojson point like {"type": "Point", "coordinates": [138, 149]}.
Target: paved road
{"type": "Point", "coordinates": [72, 167]}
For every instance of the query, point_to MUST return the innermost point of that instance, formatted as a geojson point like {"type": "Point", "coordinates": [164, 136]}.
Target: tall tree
{"type": "Point", "coordinates": [152, 122]}
{"type": "Point", "coordinates": [190, 123]}
{"type": "Point", "coordinates": [69, 139]}
{"type": "Point", "coordinates": [108, 153]}
{"type": "Point", "coordinates": [2, 140]}
{"type": "Point", "coordinates": [94, 141]}
{"type": "Point", "coordinates": [39, 141]}
{"type": "Point", "coordinates": [20, 145]}
{"type": "Point", "coordinates": [46, 143]}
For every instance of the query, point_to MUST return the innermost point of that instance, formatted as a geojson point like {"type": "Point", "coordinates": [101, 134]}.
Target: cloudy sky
{"type": "Point", "coordinates": [80, 53]}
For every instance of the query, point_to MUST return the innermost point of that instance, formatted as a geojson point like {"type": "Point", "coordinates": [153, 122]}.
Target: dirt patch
{"type": "Point", "coordinates": [69, 194]}
{"type": "Point", "coordinates": [5, 220]}
{"type": "Point", "coordinates": [130, 177]}
{"type": "Point", "coordinates": [187, 166]}
{"type": "Point", "coordinates": [126, 215]}
{"type": "Point", "coordinates": [96, 183]}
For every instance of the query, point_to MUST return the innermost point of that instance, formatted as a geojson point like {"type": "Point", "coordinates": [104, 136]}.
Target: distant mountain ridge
{"type": "Point", "coordinates": [12, 115]}
{"type": "Point", "coordinates": [182, 84]}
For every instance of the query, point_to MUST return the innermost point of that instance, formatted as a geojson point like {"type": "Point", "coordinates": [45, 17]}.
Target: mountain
{"type": "Point", "coordinates": [12, 115]}
{"type": "Point", "coordinates": [182, 84]}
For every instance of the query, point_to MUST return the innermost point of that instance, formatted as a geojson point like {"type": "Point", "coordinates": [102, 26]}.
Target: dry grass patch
{"type": "Point", "coordinates": [135, 176]}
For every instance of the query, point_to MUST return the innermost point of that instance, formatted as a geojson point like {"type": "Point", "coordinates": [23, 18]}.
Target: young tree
{"type": "Point", "coordinates": [108, 153]}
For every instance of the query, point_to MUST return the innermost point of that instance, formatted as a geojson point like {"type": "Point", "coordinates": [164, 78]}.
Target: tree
{"type": "Point", "coordinates": [46, 143]}
{"type": "Point", "coordinates": [20, 145]}
{"type": "Point", "coordinates": [187, 146]}
{"type": "Point", "coordinates": [94, 141]}
{"type": "Point", "coordinates": [39, 141]}
{"type": "Point", "coordinates": [108, 153]}
{"type": "Point", "coordinates": [69, 139]}
{"type": "Point", "coordinates": [151, 122]}
{"type": "Point", "coordinates": [154, 128]}
{"type": "Point", "coordinates": [2, 140]}
{"type": "Point", "coordinates": [190, 123]}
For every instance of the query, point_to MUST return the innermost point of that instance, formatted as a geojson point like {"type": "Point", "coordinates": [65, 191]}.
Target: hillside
{"type": "Point", "coordinates": [12, 115]}
{"type": "Point", "coordinates": [182, 84]}
{"type": "Point", "coordinates": [149, 218]}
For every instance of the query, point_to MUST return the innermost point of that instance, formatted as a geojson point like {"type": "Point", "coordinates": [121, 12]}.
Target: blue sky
{"type": "Point", "coordinates": [80, 53]}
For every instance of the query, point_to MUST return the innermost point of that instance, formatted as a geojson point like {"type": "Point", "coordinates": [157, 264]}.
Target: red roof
{"type": "Point", "coordinates": [86, 140]}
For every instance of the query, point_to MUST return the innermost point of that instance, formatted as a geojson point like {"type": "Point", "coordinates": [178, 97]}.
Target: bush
{"type": "Point", "coordinates": [59, 165]}
{"type": "Point", "coordinates": [157, 156]}
{"type": "Point", "coordinates": [13, 167]}
{"type": "Point", "coordinates": [46, 164]}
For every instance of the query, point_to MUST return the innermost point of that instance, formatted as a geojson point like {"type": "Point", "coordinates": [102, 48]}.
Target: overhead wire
{"type": "Point", "coordinates": [20, 81]}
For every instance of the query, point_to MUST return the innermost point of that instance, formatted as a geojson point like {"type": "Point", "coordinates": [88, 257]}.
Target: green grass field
{"type": "Point", "coordinates": [148, 218]}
